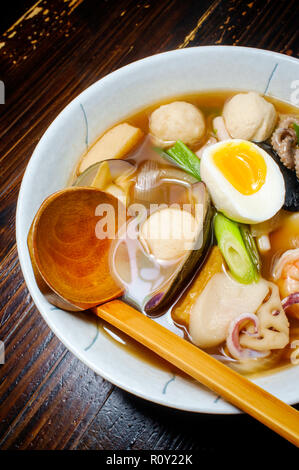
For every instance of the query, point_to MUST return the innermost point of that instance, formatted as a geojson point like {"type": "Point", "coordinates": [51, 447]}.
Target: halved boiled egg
{"type": "Point", "coordinates": [244, 181]}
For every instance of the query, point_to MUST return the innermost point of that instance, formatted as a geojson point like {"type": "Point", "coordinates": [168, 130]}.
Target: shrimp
{"type": "Point", "coordinates": [286, 274]}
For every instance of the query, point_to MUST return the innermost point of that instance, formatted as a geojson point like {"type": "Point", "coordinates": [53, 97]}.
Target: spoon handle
{"type": "Point", "coordinates": [244, 394]}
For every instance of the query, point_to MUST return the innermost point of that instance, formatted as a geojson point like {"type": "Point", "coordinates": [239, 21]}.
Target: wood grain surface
{"type": "Point", "coordinates": [50, 51]}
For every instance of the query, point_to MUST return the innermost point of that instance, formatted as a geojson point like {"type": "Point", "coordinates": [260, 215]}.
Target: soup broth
{"type": "Point", "coordinates": [155, 275]}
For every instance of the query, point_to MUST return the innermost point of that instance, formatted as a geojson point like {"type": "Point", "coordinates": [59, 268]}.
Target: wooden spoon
{"type": "Point", "coordinates": [72, 269]}
{"type": "Point", "coordinates": [70, 262]}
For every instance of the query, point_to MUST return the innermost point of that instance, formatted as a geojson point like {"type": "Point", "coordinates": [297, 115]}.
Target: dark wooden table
{"type": "Point", "coordinates": [50, 51]}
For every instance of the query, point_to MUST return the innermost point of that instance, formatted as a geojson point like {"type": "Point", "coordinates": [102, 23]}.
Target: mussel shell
{"type": "Point", "coordinates": [117, 168]}
{"type": "Point", "coordinates": [160, 302]}
{"type": "Point", "coordinates": [291, 202]}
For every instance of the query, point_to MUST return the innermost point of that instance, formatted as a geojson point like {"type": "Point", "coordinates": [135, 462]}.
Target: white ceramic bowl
{"type": "Point", "coordinates": [109, 100]}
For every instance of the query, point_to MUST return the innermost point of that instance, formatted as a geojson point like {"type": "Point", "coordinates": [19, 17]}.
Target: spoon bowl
{"type": "Point", "coordinates": [69, 257]}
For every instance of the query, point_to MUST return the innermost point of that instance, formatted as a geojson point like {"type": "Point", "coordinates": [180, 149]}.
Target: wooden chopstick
{"type": "Point", "coordinates": [244, 394]}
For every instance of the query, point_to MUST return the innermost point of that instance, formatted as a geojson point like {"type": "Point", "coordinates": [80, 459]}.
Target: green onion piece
{"type": "Point", "coordinates": [183, 157]}
{"type": "Point", "coordinates": [251, 247]}
{"type": "Point", "coordinates": [233, 249]}
{"type": "Point", "coordinates": [296, 127]}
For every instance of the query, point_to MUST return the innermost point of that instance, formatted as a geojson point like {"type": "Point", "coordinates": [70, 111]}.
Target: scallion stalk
{"type": "Point", "coordinates": [250, 245]}
{"type": "Point", "coordinates": [183, 157]}
{"type": "Point", "coordinates": [233, 249]}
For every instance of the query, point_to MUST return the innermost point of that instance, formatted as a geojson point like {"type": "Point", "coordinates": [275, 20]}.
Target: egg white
{"type": "Point", "coordinates": [254, 208]}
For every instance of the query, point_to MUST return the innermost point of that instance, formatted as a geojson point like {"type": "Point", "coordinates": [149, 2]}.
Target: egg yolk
{"type": "Point", "coordinates": [242, 165]}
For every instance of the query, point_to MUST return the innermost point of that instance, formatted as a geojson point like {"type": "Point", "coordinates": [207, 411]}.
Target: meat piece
{"type": "Point", "coordinates": [284, 142]}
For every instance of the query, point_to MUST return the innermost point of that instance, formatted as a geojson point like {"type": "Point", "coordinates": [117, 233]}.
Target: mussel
{"type": "Point", "coordinates": [193, 260]}
{"type": "Point", "coordinates": [117, 168]}
{"type": "Point", "coordinates": [112, 176]}
{"type": "Point", "coordinates": [291, 202]}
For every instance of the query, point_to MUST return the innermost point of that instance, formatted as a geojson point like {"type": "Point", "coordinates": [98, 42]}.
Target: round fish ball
{"type": "Point", "coordinates": [168, 233]}
{"type": "Point", "coordinates": [177, 121]}
{"type": "Point", "coordinates": [249, 116]}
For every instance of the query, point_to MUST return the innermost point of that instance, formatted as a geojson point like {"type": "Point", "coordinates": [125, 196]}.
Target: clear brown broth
{"type": "Point", "coordinates": [211, 104]}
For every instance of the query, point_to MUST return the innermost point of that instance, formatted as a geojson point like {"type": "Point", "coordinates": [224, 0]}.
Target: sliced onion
{"type": "Point", "coordinates": [233, 337]}
{"type": "Point", "coordinates": [160, 142]}
{"type": "Point", "coordinates": [220, 128]}
{"type": "Point", "coordinates": [223, 357]}
{"type": "Point", "coordinates": [210, 141]}
{"type": "Point", "coordinates": [263, 243]}
{"type": "Point", "coordinates": [290, 300]}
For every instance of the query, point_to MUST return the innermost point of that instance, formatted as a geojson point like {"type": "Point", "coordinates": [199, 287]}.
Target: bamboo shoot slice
{"type": "Point", "coordinates": [115, 143]}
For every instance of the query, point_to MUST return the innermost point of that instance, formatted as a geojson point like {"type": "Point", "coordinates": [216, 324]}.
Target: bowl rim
{"type": "Point", "coordinates": [21, 255]}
